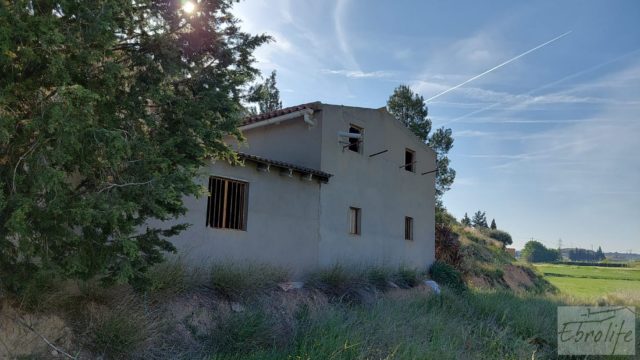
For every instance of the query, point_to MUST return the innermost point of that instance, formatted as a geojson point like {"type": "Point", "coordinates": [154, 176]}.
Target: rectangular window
{"type": "Point", "coordinates": [227, 204]}
{"type": "Point", "coordinates": [408, 228]}
{"type": "Point", "coordinates": [354, 221]}
{"type": "Point", "coordinates": [409, 160]}
{"type": "Point", "coordinates": [355, 142]}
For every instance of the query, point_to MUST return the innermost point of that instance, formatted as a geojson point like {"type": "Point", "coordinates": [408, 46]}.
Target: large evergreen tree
{"type": "Point", "coordinates": [107, 111]}
{"type": "Point", "coordinates": [266, 95]}
{"type": "Point", "coordinates": [479, 219]}
{"type": "Point", "coordinates": [465, 220]}
{"type": "Point", "coordinates": [412, 111]}
{"type": "Point", "coordinates": [493, 224]}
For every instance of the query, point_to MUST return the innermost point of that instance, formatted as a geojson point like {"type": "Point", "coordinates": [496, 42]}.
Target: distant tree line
{"type": "Point", "coordinates": [586, 255]}
{"type": "Point", "coordinates": [535, 252]}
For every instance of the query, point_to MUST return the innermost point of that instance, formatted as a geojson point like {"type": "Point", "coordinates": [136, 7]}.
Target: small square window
{"type": "Point", "coordinates": [408, 228]}
{"type": "Point", "coordinates": [409, 160]}
{"type": "Point", "coordinates": [354, 220]}
{"type": "Point", "coordinates": [355, 143]}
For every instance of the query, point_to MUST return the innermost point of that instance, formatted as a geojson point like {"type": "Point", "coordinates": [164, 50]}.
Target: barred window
{"type": "Point", "coordinates": [227, 204]}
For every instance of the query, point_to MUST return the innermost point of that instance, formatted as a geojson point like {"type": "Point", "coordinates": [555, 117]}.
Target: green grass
{"type": "Point", "coordinates": [590, 282]}
{"type": "Point", "coordinates": [592, 289]}
{"type": "Point", "coordinates": [476, 325]}
{"type": "Point", "coordinates": [590, 272]}
{"type": "Point", "coordinates": [245, 281]}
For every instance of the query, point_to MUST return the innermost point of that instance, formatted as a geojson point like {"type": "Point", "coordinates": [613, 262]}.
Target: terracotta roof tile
{"type": "Point", "coordinates": [272, 114]}
{"type": "Point", "coordinates": [323, 176]}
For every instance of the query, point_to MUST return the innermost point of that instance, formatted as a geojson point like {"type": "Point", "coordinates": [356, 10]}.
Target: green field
{"type": "Point", "coordinates": [591, 282]}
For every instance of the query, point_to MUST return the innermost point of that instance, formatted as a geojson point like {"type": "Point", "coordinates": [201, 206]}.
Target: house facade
{"type": "Point", "coordinates": [321, 184]}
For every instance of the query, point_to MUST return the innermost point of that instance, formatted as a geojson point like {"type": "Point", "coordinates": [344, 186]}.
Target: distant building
{"type": "Point", "coordinates": [320, 184]}
{"type": "Point", "coordinates": [511, 251]}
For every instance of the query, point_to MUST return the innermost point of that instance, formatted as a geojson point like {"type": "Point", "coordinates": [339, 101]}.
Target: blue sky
{"type": "Point", "coordinates": [548, 145]}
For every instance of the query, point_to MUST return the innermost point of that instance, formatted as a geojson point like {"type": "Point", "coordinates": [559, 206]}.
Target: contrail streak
{"type": "Point", "coordinates": [500, 65]}
{"type": "Point", "coordinates": [551, 84]}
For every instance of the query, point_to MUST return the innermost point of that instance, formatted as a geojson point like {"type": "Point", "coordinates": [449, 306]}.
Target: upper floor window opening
{"type": "Point", "coordinates": [355, 143]}
{"type": "Point", "coordinates": [409, 160]}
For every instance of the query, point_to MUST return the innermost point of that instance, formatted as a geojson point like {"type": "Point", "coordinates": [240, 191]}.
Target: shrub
{"type": "Point", "coordinates": [447, 275]}
{"type": "Point", "coordinates": [119, 331]}
{"type": "Point", "coordinates": [35, 293]}
{"type": "Point", "coordinates": [341, 284]}
{"type": "Point", "coordinates": [406, 277]}
{"type": "Point", "coordinates": [243, 333]}
{"type": "Point", "coordinates": [236, 282]}
{"type": "Point", "coordinates": [172, 276]}
{"type": "Point", "coordinates": [380, 277]}
{"type": "Point", "coordinates": [501, 236]}
{"type": "Point", "coordinates": [447, 245]}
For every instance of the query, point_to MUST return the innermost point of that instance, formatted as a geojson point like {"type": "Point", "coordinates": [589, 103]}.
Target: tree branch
{"type": "Point", "coordinates": [110, 186]}
{"type": "Point", "coordinates": [23, 323]}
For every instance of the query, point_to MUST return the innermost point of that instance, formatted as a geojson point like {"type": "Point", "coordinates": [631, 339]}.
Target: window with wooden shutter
{"type": "Point", "coordinates": [227, 204]}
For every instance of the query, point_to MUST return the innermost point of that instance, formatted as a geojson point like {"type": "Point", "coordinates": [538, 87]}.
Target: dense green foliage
{"type": "Point", "coordinates": [586, 255]}
{"type": "Point", "coordinates": [479, 219]}
{"type": "Point", "coordinates": [107, 111]}
{"type": "Point", "coordinates": [502, 236]}
{"type": "Point", "coordinates": [447, 275]}
{"type": "Point", "coordinates": [412, 111]}
{"type": "Point", "coordinates": [466, 221]}
{"type": "Point", "coordinates": [534, 251]}
{"type": "Point", "coordinates": [266, 95]}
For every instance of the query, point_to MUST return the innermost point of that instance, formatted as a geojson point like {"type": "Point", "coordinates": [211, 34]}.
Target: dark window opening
{"type": "Point", "coordinates": [408, 228]}
{"type": "Point", "coordinates": [227, 204]}
{"type": "Point", "coordinates": [354, 143]}
{"type": "Point", "coordinates": [354, 220]}
{"type": "Point", "coordinates": [409, 160]}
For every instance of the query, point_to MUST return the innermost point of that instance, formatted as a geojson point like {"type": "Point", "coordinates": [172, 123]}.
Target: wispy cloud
{"type": "Point", "coordinates": [339, 16]}
{"type": "Point", "coordinates": [357, 74]}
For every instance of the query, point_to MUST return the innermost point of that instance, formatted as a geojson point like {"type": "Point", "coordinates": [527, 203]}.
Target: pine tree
{"type": "Point", "coordinates": [479, 219]}
{"type": "Point", "coordinates": [266, 95]}
{"type": "Point", "coordinates": [108, 109]}
{"type": "Point", "coordinates": [465, 220]}
{"type": "Point", "coordinates": [493, 224]}
{"type": "Point", "coordinates": [412, 111]}
{"type": "Point", "coordinates": [600, 255]}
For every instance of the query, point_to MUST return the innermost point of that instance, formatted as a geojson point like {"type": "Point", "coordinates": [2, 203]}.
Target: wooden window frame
{"type": "Point", "coordinates": [227, 204]}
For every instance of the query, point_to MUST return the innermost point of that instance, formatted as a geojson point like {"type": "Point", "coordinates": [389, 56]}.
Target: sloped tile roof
{"type": "Point", "coordinates": [272, 114]}
{"type": "Point", "coordinates": [323, 176]}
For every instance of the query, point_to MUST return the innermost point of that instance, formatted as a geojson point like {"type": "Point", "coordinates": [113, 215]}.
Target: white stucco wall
{"type": "Point", "coordinates": [282, 222]}
{"type": "Point", "coordinates": [293, 141]}
{"type": "Point", "coordinates": [385, 192]}
{"type": "Point", "coordinates": [302, 225]}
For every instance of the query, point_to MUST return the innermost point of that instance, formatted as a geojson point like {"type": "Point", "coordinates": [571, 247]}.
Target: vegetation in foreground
{"type": "Point", "coordinates": [490, 307]}
{"type": "Point", "coordinates": [341, 313]}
